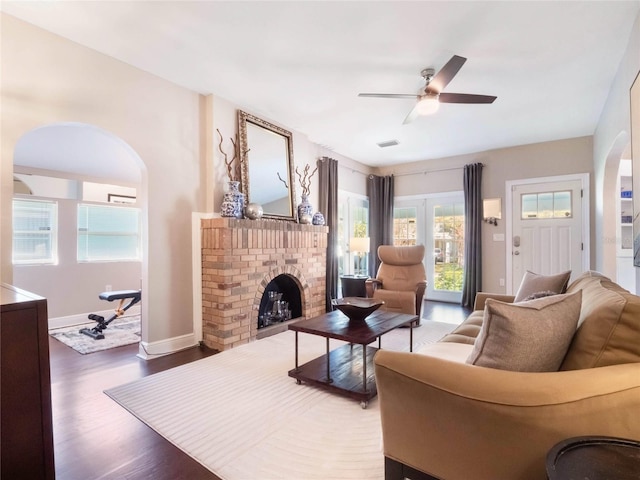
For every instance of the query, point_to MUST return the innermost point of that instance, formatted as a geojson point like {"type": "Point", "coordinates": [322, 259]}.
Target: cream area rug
{"type": "Point", "coordinates": [240, 415]}
{"type": "Point", "coordinates": [122, 331]}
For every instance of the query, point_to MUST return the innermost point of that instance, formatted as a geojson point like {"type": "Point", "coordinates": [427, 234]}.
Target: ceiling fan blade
{"type": "Point", "coordinates": [412, 115]}
{"type": "Point", "coordinates": [389, 95]}
{"type": "Point", "coordinates": [465, 98]}
{"type": "Point", "coordinates": [446, 74]}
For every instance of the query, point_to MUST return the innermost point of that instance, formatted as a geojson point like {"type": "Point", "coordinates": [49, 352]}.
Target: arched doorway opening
{"type": "Point", "coordinates": [78, 166]}
{"type": "Point", "coordinates": [611, 240]}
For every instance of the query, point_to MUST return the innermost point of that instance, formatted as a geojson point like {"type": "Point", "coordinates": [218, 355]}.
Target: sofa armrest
{"type": "Point", "coordinates": [481, 298]}
{"type": "Point", "coordinates": [459, 421]}
{"type": "Point", "coordinates": [370, 285]}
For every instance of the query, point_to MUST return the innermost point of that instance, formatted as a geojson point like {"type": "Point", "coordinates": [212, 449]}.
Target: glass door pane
{"type": "Point", "coordinates": [446, 264]}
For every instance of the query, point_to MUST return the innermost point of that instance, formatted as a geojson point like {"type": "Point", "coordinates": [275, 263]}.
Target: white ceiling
{"type": "Point", "coordinates": [302, 63]}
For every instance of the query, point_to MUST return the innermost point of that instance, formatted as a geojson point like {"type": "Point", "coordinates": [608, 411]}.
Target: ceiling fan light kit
{"type": "Point", "coordinates": [428, 101]}
{"type": "Point", "coordinates": [428, 104]}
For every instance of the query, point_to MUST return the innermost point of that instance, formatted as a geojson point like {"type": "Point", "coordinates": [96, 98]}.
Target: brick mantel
{"type": "Point", "coordinates": [239, 259]}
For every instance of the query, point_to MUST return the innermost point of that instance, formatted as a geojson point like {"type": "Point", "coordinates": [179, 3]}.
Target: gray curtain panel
{"type": "Point", "coordinates": [380, 193]}
{"type": "Point", "coordinates": [472, 282]}
{"type": "Point", "coordinates": [328, 198]}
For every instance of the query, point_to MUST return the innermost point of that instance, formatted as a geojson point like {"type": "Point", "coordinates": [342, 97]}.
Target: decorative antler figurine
{"type": "Point", "coordinates": [305, 178]}
{"type": "Point", "coordinates": [232, 172]}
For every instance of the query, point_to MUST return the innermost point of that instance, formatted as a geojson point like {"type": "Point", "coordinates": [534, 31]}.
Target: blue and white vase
{"type": "Point", "coordinates": [318, 219]}
{"type": "Point", "coordinates": [233, 201]}
{"type": "Point", "coordinates": [305, 210]}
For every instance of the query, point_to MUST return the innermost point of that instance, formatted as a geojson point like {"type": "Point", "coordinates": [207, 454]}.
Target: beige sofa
{"type": "Point", "coordinates": [457, 421]}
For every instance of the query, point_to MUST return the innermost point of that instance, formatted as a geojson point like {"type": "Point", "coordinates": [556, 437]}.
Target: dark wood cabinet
{"type": "Point", "coordinates": [26, 427]}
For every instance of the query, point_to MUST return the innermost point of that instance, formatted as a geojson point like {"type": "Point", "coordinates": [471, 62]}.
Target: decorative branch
{"type": "Point", "coordinates": [305, 178]}
{"type": "Point", "coordinates": [282, 180]}
{"type": "Point", "coordinates": [233, 172]}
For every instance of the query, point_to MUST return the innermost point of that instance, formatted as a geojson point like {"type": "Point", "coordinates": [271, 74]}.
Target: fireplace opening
{"type": "Point", "coordinates": [280, 302]}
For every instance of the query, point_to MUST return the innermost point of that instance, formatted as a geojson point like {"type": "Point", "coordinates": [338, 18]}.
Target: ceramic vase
{"type": "Point", "coordinates": [305, 210]}
{"type": "Point", "coordinates": [318, 219]}
{"type": "Point", "coordinates": [233, 201]}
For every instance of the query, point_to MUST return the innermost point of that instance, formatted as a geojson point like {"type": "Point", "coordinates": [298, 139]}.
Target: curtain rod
{"type": "Point", "coordinates": [424, 172]}
{"type": "Point", "coordinates": [353, 170]}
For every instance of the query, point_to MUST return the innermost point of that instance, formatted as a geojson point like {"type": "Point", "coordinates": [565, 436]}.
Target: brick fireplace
{"type": "Point", "coordinates": [240, 258]}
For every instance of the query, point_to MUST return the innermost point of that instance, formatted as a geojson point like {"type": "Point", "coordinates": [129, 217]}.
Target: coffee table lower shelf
{"type": "Point", "coordinates": [345, 372]}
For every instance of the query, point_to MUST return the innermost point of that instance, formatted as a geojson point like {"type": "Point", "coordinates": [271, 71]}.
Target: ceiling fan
{"type": "Point", "coordinates": [432, 95]}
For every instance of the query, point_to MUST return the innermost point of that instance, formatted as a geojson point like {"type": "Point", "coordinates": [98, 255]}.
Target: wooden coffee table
{"type": "Point", "coordinates": [348, 370]}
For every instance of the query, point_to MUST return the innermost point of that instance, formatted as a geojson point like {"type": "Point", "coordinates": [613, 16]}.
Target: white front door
{"type": "Point", "coordinates": [547, 229]}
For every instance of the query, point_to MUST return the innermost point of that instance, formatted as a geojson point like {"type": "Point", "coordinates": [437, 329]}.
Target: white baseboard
{"type": "Point", "coordinates": [71, 320]}
{"type": "Point", "coordinates": [151, 350]}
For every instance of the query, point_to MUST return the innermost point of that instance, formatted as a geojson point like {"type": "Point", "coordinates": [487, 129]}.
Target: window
{"type": "Point", "coordinates": [353, 221]}
{"type": "Point", "coordinates": [546, 205]}
{"type": "Point", "coordinates": [108, 233]}
{"type": "Point", "coordinates": [448, 245]}
{"type": "Point", "coordinates": [35, 232]}
{"type": "Point", "coordinates": [405, 226]}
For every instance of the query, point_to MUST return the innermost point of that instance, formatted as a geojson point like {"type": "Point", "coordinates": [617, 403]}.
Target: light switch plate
{"type": "Point", "coordinates": [498, 237]}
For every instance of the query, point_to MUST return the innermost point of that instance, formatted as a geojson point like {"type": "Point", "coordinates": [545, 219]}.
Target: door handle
{"type": "Point", "coordinates": [516, 252]}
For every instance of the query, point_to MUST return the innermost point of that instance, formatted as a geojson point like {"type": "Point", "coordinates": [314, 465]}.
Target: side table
{"type": "Point", "coordinates": [353, 285]}
{"type": "Point", "coordinates": [595, 458]}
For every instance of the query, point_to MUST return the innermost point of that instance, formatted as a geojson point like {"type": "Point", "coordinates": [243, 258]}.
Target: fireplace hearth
{"type": "Point", "coordinates": [244, 260]}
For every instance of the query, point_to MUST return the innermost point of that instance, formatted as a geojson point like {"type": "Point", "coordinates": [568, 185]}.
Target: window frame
{"type": "Point", "coordinates": [52, 258]}
{"type": "Point", "coordinates": [81, 230]}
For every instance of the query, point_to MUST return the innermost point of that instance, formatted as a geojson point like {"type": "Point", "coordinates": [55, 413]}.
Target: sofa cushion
{"type": "Point", "coordinates": [454, 352]}
{"type": "Point", "coordinates": [533, 283]}
{"type": "Point", "coordinates": [609, 325]}
{"type": "Point", "coordinates": [529, 336]}
{"type": "Point", "coordinates": [467, 331]}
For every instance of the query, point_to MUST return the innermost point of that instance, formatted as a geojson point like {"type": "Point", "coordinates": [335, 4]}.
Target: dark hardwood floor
{"type": "Point", "coordinates": [444, 312]}
{"type": "Point", "coordinates": [95, 438]}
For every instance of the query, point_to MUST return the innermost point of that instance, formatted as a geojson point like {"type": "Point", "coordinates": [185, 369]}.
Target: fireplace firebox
{"type": "Point", "coordinates": [280, 302]}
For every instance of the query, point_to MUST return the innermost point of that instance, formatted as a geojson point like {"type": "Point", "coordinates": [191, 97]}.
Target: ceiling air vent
{"type": "Point", "coordinates": [388, 143]}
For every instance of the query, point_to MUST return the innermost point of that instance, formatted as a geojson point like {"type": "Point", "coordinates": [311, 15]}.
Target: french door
{"type": "Point", "coordinates": [437, 222]}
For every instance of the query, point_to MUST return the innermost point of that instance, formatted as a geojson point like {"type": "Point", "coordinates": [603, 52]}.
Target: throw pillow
{"type": "Point", "coordinates": [534, 282]}
{"type": "Point", "coordinates": [546, 293]}
{"type": "Point", "coordinates": [530, 336]}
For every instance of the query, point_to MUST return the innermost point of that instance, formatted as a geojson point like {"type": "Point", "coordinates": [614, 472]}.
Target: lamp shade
{"type": "Point", "coordinates": [359, 244]}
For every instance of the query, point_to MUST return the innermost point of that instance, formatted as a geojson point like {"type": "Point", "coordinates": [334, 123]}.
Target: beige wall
{"type": "Point", "coordinates": [47, 79]}
{"type": "Point", "coordinates": [561, 157]}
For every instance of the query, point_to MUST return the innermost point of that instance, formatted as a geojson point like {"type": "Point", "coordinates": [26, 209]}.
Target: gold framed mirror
{"type": "Point", "coordinates": [267, 178]}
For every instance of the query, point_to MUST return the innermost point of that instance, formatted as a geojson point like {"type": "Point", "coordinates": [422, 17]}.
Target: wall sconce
{"type": "Point", "coordinates": [492, 210]}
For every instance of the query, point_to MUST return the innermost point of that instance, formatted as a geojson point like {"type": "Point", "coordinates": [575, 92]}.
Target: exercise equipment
{"type": "Point", "coordinates": [134, 296]}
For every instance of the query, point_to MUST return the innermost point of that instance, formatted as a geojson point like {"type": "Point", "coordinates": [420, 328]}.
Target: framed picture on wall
{"type": "Point", "coordinates": [635, 156]}
{"type": "Point", "coordinates": [114, 198]}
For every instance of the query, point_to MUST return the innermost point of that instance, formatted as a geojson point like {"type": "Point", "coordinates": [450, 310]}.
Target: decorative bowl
{"type": "Point", "coordinates": [357, 308]}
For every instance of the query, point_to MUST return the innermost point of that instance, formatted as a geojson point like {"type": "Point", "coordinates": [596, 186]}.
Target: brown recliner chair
{"type": "Point", "coordinates": [401, 279]}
